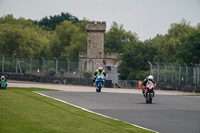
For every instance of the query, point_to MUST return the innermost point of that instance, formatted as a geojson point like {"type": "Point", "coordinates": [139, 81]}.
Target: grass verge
{"type": "Point", "coordinates": [190, 95]}
{"type": "Point", "coordinates": [23, 111]}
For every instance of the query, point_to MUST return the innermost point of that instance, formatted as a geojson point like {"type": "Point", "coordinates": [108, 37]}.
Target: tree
{"type": "Point", "coordinates": [116, 38]}
{"type": "Point", "coordinates": [134, 60]}
{"type": "Point", "coordinates": [175, 38]}
{"type": "Point", "coordinates": [69, 41]}
{"type": "Point", "coordinates": [50, 23]}
{"type": "Point", "coordinates": [190, 52]}
{"type": "Point", "coordinates": [171, 43]}
{"type": "Point", "coordinates": [21, 37]}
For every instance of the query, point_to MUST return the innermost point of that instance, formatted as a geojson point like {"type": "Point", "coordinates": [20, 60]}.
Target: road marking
{"type": "Point", "coordinates": [93, 111]}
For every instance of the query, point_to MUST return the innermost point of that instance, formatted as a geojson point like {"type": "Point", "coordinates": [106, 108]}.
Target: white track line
{"type": "Point", "coordinates": [92, 111]}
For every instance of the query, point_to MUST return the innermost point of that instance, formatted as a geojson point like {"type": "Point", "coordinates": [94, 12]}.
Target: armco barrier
{"type": "Point", "coordinates": [88, 82]}
{"type": "Point", "coordinates": [48, 79]}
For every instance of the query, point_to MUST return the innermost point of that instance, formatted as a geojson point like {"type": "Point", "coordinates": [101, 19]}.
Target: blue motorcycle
{"type": "Point", "coordinates": [3, 85]}
{"type": "Point", "coordinates": [99, 82]}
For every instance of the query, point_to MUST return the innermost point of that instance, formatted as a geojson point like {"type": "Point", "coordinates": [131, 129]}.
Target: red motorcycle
{"type": "Point", "coordinates": [149, 92]}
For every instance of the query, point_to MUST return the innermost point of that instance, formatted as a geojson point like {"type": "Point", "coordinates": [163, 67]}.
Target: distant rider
{"type": "Point", "coordinates": [3, 79]}
{"type": "Point", "coordinates": [149, 78]}
{"type": "Point", "coordinates": [100, 70]}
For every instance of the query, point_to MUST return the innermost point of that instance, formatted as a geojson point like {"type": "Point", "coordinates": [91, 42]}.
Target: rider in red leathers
{"type": "Point", "coordinates": [150, 77]}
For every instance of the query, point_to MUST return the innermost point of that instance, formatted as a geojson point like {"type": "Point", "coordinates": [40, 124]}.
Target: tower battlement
{"type": "Point", "coordinates": [96, 26]}
{"type": "Point", "coordinates": [95, 56]}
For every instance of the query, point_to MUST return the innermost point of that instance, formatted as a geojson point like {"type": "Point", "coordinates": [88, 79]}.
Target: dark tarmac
{"type": "Point", "coordinates": [167, 113]}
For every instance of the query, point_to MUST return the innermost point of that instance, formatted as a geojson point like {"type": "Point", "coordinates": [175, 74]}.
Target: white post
{"type": "Point", "coordinates": [56, 64]}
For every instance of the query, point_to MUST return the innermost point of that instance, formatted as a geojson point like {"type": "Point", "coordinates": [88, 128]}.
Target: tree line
{"type": "Point", "coordinates": [29, 38]}
{"type": "Point", "coordinates": [64, 36]}
{"type": "Point", "coordinates": [180, 44]}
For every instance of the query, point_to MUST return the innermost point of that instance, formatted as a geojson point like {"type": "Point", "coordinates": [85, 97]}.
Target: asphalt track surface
{"type": "Point", "coordinates": [167, 113]}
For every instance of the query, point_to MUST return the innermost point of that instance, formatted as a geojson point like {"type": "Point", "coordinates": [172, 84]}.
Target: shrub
{"type": "Point", "coordinates": [87, 74]}
{"type": "Point", "coordinates": [51, 71]}
{"type": "Point", "coordinates": [62, 71]}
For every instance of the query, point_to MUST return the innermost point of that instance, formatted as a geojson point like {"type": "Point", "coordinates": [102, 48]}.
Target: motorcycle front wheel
{"type": "Point", "coordinates": [98, 88]}
{"type": "Point", "coordinates": [149, 98]}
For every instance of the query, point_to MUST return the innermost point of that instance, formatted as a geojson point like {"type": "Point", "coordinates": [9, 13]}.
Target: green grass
{"type": "Point", "coordinates": [190, 95]}
{"type": "Point", "coordinates": [22, 111]}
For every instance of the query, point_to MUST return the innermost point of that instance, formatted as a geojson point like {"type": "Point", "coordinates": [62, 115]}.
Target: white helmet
{"type": "Point", "coordinates": [150, 77]}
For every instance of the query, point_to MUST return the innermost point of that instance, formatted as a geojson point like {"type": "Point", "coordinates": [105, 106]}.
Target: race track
{"type": "Point", "coordinates": [167, 114]}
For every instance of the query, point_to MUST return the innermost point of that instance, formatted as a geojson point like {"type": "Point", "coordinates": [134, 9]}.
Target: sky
{"type": "Point", "coordinates": [146, 18]}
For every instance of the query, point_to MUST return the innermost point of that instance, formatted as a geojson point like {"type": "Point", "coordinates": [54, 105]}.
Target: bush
{"type": "Point", "coordinates": [51, 71]}
{"type": "Point", "coordinates": [87, 74]}
{"type": "Point", "coordinates": [62, 71]}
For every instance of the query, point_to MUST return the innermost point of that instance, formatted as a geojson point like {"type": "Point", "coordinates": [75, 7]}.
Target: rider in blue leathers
{"type": "Point", "coordinates": [3, 79]}
{"type": "Point", "coordinates": [99, 71]}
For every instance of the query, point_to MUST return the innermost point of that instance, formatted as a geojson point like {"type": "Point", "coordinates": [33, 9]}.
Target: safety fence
{"type": "Point", "coordinates": [176, 74]}
{"type": "Point", "coordinates": [42, 66]}
{"type": "Point", "coordinates": [131, 84]}
{"type": "Point", "coordinates": [54, 67]}
{"type": "Point", "coordinates": [180, 73]}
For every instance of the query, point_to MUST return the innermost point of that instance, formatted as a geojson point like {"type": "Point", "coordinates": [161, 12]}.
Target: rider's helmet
{"type": "Point", "coordinates": [100, 69]}
{"type": "Point", "coordinates": [150, 77]}
{"type": "Point", "coordinates": [2, 77]}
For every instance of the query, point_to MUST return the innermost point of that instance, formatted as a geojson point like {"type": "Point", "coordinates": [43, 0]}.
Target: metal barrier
{"type": "Point", "coordinates": [41, 66]}
{"type": "Point", "coordinates": [131, 84]}
{"type": "Point", "coordinates": [163, 73]}
{"type": "Point", "coordinates": [175, 73]}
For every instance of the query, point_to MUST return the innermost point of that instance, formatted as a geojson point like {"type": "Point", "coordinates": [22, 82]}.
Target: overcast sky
{"type": "Point", "coordinates": [147, 18]}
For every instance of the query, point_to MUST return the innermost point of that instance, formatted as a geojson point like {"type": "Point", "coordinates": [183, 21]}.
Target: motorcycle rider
{"type": "Point", "coordinates": [150, 77]}
{"type": "Point", "coordinates": [100, 70]}
{"type": "Point", "coordinates": [3, 79]}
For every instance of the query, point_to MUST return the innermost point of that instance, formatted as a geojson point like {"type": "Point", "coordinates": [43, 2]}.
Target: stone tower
{"type": "Point", "coordinates": [95, 39]}
{"type": "Point", "coordinates": [95, 56]}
